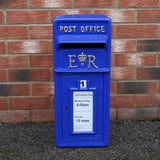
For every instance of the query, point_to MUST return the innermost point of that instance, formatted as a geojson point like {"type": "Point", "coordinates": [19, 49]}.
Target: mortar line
{"type": "Point", "coordinates": [8, 103]}
{"type": "Point", "coordinates": [34, 96]}
{"type": "Point", "coordinates": [136, 15]}
{"type": "Point", "coordinates": [51, 75]}
{"type": "Point", "coordinates": [117, 4]}
{"type": "Point", "coordinates": [44, 68]}
{"type": "Point", "coordinates": [28, 33]}
{"type": "Point", "coordinates": [49, 16]}
{"type": "Point", "coordinates": [28, 3]}
{"type": "Point", "coordinates": [157, 87]}
{"type": "Point", "coordinates": [80, 8]}
{"type": "Point", "coordinates": [157, 61]}
{"type": "Point", "coordinates": [114, 38]}
{"type": "Point", "coordinates": [50, 24]}
{"type": "Point", "coordinates": [136, 50]}
{"type": "Point", "coordinates": [6, 47]}
{"type": "Point", "coordinates": [30, 89]}
{"type": "Point", "coordinates": [6, 54]}
{"type": "Point", "coordinates": [51, 102]}
{"type": "Point", "coordinates": [136, 60]}
{"type": "Point", "coordinates": [115, 87]}
{"type": "Point", "coordinates": [157, 57]}
{"type": "Point", "coordinates": [72, 3]}
{"type": "Point", "coordinates": [4, 17]}
{"type": "Point", "coordinates": [24, 24]}
{"type": "Point", "coordinates": [158, 32]}
{"type": "Point", "coordinates": [114, 62]}
{"type": "Point", "coordinates": [50, 44]}
{"type": "Point", "coordinates": [115, 31]}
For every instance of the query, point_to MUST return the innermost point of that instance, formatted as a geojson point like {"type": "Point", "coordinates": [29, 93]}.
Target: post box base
{"type": "Point", "coordinates": [98, 144]}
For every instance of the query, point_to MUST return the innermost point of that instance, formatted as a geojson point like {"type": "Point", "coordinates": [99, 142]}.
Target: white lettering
{"type": "Point", "coordinates": [65, 29]}
{"type": "Point", "coordinates": [61, 28]}
{"type": "Point", "coordinates": [68, 28]}
{"type": "Point", "coordinates": [102, 28]}
{"type": "Point", "coordinates": [82, 28]}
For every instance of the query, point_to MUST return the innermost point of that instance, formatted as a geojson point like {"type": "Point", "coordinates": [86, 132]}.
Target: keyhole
{"type": "Point", "coordinates": [66, 108]}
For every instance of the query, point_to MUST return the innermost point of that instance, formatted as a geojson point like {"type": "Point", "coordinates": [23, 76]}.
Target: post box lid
{"type": "Point", "coordinates": [82, 17]}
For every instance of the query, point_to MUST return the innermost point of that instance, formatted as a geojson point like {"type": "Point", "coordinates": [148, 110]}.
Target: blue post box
{"type": "Point", "coordinates": [82, 50]}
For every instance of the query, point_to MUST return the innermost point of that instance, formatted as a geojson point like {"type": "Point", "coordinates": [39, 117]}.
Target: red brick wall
{"type": "Point", "coordinates": [26, 65]}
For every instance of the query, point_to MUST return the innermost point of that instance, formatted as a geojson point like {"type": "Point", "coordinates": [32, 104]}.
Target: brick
{"type": "Point", "coordinates": [14, 116]}
{"type": "Point", "coordinates": [41, 60]}
{"type": "Point", "coordinates": [148, 45]}
{"type": "Point", "coordinates": [46, 88]}
{"type": "Point", "coordinates": [13, 61]}
{"type": "Point", "coordinates": [125, 45]}
{"type": "Point", "coordinates": [41, 31]}
{"type": "Point", "coordinates": [13, 4]}
{"type": "Point", "coordinates": [122, 101]}
{"type": "Point", "coordinates": [137, 114]}
{"type": "Point", "coordinates": [55, 13]}
{"type": "Point", "coordinates": [118, 73]}
{"type": "Point", "coordinates": [112, 59]}
{"type": "Point", "coordinates": [3, 104]}
{"type": "Point", "coordinates": [28, 46]}
{"type": "Point", "coordinates": [159, 88]}
{"type": "Point", "coordinates": [43, 116]}
{"type": "Point", "coordinates": [94, 3]}
{"type": "Point", "coordinates": [14, 89]}
{"type": "Point", "coordinates": [148, 100]}
{"type": "Point", "coordinates": [112, 114]}
{"type": "Point", "coordinates": [53, 102]}
{"type": "Point", "coordinates": [136, 87]}
{"type": "Point", "coordinates": [50, 3]}
{"type": "Point", "coordinates": [2, 48]}
{"type": "Point", "coordinates": [1, 17]}
{"type": "Point", "coordinates": [138, 3]}
{"type": "Point", "coordinates": [148, 16]}
{"type": "Point", "coordinates": [29, 102]}
{"type": "Point", "coordinates": [26, 75]}
{"type": "Point", "coordinates": [112, 89]}
{"type": "Point", "coordinates": [27, 16]}
{"type": "Point", "coordinates": [51, 46]}
{"type": "Point", "coordinates": [112, 31]}
{"type": "Point", "coordinates": [159, 59]}
{"type": "Point", "coordinates": [148, 73]}
{"type": "Point", "coordinates": [119, 15]}
{"type": "Point", "coordinates": [142, 59]}
{"type": "Point", "coordinates": [3, 77]}
{"type": "Point", "coordinates": [52, 74]}
{"type": "Point", "coordinates": [8, 32]}
{"type": "Point", "coordinates": [133, 31]}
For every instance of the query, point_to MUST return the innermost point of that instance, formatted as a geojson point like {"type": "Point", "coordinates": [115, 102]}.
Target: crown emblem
{"type": "Point", "coordinates": [82, 57]}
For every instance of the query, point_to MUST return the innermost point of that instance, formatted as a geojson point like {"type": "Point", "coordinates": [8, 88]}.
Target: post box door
{"type": "Point", "coordinates": [82, 107]}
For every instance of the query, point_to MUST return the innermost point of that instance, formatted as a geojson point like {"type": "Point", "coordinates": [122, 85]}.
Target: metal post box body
{"type": "Point", "coordinates": [82, 49]}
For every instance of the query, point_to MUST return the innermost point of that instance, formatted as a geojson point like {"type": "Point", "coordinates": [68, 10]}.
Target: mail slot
{"type": "Point", "coordinates": [82, 51]}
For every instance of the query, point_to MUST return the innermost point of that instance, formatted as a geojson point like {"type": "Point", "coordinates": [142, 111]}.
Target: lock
{"type": "Point", "coordinates": [82, 52]}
